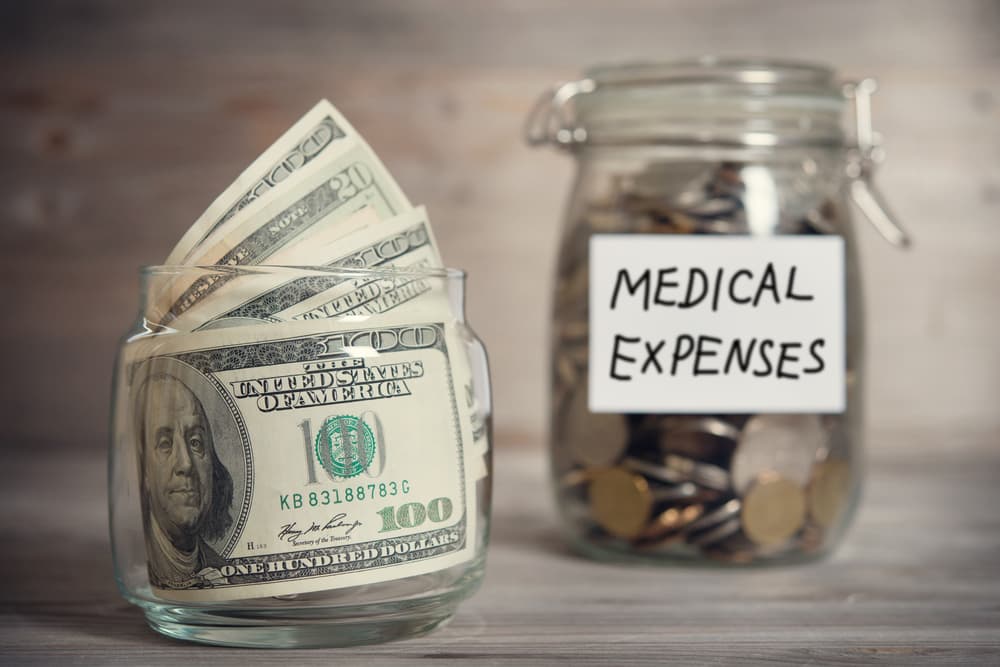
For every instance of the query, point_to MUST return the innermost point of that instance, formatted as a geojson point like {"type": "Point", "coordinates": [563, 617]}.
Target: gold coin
{"type": "Point", "coordinates": [736, 556]}
{"type": "Point", "coordinates": [665, 221]}
{"type": "Point", "coordinates": [620, 502]}
{"type": "Point", "coordinates": [811, 539]}
{"type": "Point", "coordinates": [670, 521]}
{"type": "Point", "coordinates": [828, 491]}
{"type": "Point", "coordinates": [576, 477]}
{"type": "Point", "coordinates": [735, 549]}
{"type": "Point", "coordinates": [773, 510]}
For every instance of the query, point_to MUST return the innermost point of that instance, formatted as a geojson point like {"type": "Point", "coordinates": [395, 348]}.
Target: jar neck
{"type": "Point", "coordinates": [834, 157]}
{"type": "Point", "coordinates": [711, 190]}
{"type": "Point", "coordinates": [710, 102]}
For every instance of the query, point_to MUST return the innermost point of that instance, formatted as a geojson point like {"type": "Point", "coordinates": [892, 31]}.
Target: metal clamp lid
{"type": "Point", "coordinates": [552, 122]}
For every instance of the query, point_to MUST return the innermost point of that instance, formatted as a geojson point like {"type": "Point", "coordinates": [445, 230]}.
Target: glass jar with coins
{"type": "Point", "coordinates": [706, 366]}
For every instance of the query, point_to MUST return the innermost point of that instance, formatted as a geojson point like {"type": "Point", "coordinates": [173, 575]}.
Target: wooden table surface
{"type": "Point", "coordinates": [916, 582]}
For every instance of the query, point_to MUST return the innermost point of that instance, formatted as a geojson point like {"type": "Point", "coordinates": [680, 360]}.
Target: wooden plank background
{"type": "Point", "coordinates": [120, 121]}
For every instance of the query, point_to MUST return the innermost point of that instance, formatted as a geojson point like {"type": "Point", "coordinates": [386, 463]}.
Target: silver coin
{"type": "Point", "coordinates": [571, 290]}
{"type": "Point", "coordinates": [685, 491]}
{"type": "Point", "coordinates": [595, 439]}
{"type": "Point", "coordinates": [728, 511]}
{"type": "Point", "coordinates": [700, 438]}
{"type": "Point", "coordinates": [817, 222]}
{"type": "Point", "coordinates": [784, 444]}
{"type": "Point", "coordinates": [716, 210]}
{"type": "Point", "coordinates": [579, 355]}
{"type": "Point", "coordinates": [574, 332]}
{"type": "Point", "coordinates": [678, 470]}
{"type": "Point", "coordinates": [704, 474]}
{"type": "Point", "coordinates": [606, 220]}
{"type": "Point", "coordinates": [648, 184]}
{"type": "Point", "coordinates": [722, 227]}
{"type": "Point", "coordinates": [716, 427]}
{"type": "Point", "coordinates": [721, 532]}
{"type": "Point", "coordinates": [654, 471]}
{"type": "Point", "coordinates": [576, 478]}
{"type": "Point", "coordinates": [838, 445]}
{"type": "Point", "coordinates": [566, 371]}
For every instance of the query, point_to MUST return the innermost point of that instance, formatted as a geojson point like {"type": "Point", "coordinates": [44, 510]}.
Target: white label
{"type": "Point", "coordinates": [709, 324]}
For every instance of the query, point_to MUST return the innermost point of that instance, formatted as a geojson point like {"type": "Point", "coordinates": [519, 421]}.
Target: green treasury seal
{"type": "Point", "coordinates": [341, 448]}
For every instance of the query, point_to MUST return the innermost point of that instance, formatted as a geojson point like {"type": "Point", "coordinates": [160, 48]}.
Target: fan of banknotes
{"type": "Point", "coordinates": [302, 368]}
{"type": "Point", "coordinates": [319, 196]}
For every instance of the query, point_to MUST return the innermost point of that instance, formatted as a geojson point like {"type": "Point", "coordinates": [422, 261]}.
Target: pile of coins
{"type": "Point", "coordinates": [730, 487]}
{"type": "Point", "coordinates": [737, 488]}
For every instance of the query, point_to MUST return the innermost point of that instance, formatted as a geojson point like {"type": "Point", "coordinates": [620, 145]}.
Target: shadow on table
{"type": "Point", "coordinates": [64, 586]}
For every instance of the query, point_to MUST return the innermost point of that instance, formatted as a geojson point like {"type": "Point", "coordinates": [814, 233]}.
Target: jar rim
{"type": "Point", "coordinates": [712, 69]}
{"type": "Point", "coordinates": [160, 270]}
{"type": "Point", "coordinates": [740, 102]}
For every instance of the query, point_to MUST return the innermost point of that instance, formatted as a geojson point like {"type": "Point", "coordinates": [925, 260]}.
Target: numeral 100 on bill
{"type": "Point", "coordinates": [345, 446]}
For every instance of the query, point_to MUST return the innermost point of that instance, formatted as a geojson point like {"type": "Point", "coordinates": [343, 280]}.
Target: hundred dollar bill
{"type": "Point", "coordinates": [475, 396]}
{"type": "Point", "coordinates": [321, 131]}
{"type": "Point", "coordinates": [344, 185]}
{"type": "Point", "coordinates": [282, 459]}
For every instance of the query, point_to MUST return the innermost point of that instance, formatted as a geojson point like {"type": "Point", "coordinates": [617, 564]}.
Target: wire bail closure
{"type": "Point", "coordinates": [862, 159]}
{"type": "Point", "coordinates": [552, 122]}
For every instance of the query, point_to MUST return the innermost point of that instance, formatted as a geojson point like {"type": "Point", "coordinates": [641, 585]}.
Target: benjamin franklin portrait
{"type": "Point", "coordinates": [186, 491]}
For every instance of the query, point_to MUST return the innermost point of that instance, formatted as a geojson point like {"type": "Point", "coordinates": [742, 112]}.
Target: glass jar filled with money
{"type": "Point", "coordinates": [300, 446]}
{"type": "Point", "coordinates": [707, 330]}
{"type": "Point", "coordinates": [301, 481]}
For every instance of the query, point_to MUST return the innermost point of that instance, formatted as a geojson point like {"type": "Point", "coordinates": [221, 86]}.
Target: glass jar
{"type": "Point", "coordinates": [720, 171]}
{"type": "Point", "coordinates": [283, 482]}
